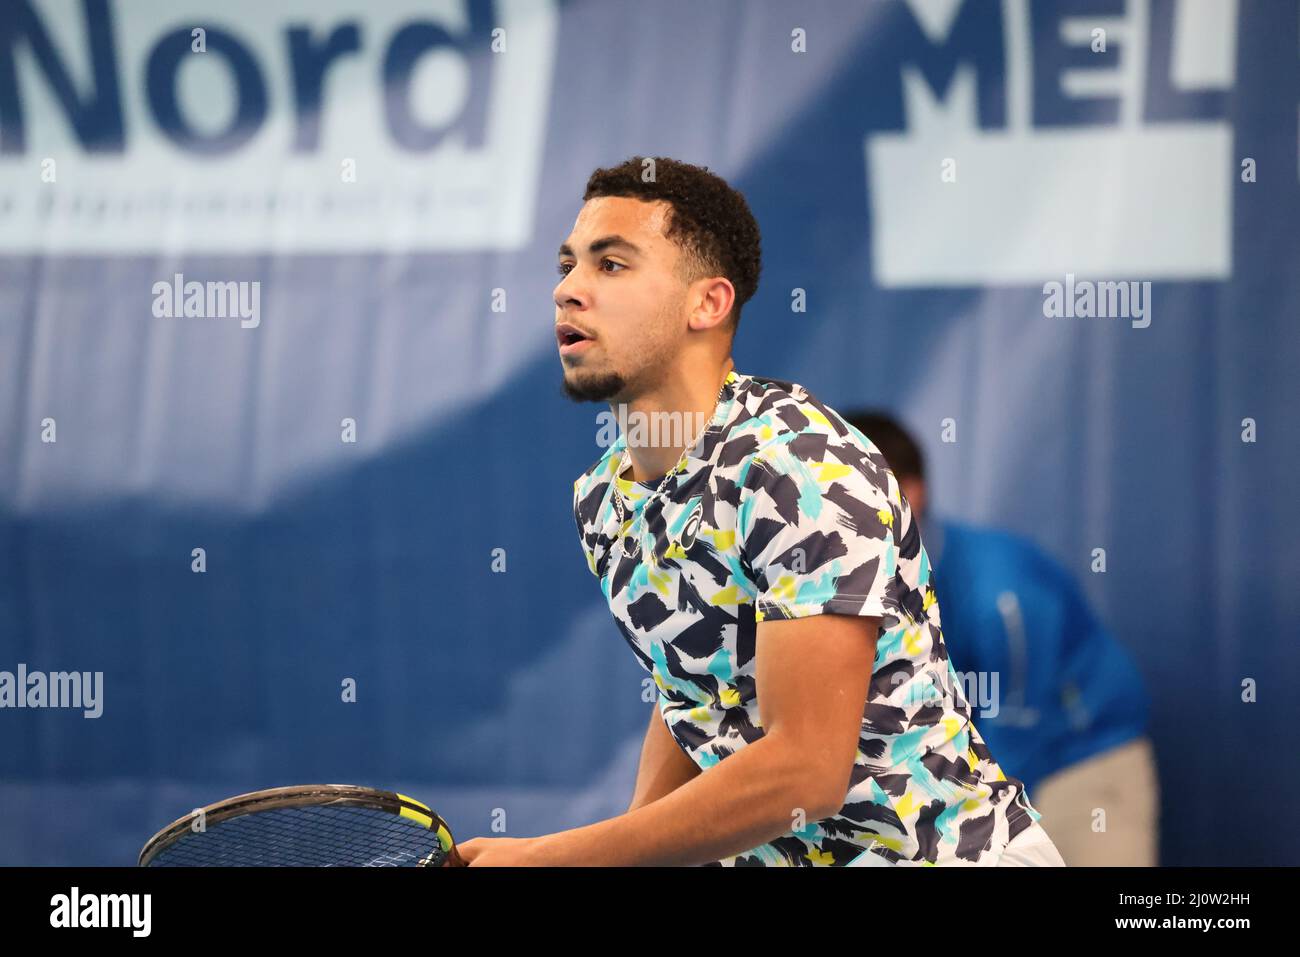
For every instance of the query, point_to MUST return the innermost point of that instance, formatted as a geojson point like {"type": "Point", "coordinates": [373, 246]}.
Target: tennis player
{"type": "Point", "coordinates": [765, 570]}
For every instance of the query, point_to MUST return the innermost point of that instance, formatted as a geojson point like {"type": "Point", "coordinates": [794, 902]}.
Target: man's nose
{"type": "Point", "coordinates": [569, 292]}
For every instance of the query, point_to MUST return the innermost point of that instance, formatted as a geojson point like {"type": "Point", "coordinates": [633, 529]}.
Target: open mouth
{"type": "Point", "coordinates": [569, 337]}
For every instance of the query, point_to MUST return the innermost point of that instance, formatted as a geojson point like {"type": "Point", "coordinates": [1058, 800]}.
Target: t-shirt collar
{"type": "Point", "coordinates": [725, 414]}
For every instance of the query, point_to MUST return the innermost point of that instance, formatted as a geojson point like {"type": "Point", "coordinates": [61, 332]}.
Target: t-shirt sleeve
{"type": "Point", "coordinates": [581, 522]}
{"type": "Point", "coordinates": [818, 536]}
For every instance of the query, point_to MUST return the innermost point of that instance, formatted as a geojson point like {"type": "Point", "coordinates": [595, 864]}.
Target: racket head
{"type": "Point", "coordinates": [311, 825]}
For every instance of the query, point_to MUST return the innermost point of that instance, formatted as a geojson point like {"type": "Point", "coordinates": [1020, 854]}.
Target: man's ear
{"type": "Point", "coordinates": [712, 300]}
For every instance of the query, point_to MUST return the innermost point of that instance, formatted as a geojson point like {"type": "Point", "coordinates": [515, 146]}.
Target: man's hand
{"type": "Point", "coordinates": [500, 852]}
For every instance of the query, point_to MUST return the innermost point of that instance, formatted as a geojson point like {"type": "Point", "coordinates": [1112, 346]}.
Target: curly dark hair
{"type": "Point", "coordinates": [710, 222]}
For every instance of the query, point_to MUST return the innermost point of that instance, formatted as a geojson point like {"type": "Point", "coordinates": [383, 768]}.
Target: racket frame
{"type": "Point", "coordinates": [306, 795]}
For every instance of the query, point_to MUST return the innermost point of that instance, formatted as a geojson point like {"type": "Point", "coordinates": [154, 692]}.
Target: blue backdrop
{"type": "Point", "coordinates": [396, 178]}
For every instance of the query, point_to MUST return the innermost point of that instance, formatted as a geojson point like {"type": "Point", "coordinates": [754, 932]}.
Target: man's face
{"type": "Point", "coordinates": [620, 313]}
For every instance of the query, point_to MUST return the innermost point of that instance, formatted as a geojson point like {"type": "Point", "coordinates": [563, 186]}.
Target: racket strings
{"type": "Point", "coordinates": [317, 836]}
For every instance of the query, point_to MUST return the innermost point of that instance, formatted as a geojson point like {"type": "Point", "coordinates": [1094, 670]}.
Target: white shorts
{"type": "Point", "coordinates": [1031, 848]}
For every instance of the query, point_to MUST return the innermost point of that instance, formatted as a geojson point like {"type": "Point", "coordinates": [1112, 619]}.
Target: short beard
{"type": "Point", "coordinates": [601, 388]}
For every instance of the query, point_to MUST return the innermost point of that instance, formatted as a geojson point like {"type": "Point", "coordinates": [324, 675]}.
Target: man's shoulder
{"type": "Point", "coordinates": [601, 469]}
{"type": "Point", "coordinates": [591, 482]}
{"type": "Point", "coordinates": [784, 417]}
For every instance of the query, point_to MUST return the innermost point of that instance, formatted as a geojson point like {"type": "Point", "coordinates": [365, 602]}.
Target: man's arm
{"type": "Point", "coordinates": [664, 766]}
{"type": "Point", "coordinates": [812, 676]}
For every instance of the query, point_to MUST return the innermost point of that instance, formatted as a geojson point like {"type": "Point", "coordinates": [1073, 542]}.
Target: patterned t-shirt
{"type": "Point", "coordinates": [782, 511]}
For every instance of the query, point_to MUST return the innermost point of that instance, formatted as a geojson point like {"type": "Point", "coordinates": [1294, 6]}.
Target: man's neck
{"type": "Point", "coordinates": [689, 402]}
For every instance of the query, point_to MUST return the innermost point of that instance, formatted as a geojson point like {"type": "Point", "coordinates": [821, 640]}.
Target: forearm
{"type": "Point", "coordinates": [664, 766]}
{"type": "Point", "coordinates": [660, 782]}
{"type": "Point", "coordinates": [745, 800]}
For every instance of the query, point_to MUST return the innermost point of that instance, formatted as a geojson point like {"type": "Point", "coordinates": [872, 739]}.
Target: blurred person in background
{"type": "Point", "coordinates": [1069, 716]}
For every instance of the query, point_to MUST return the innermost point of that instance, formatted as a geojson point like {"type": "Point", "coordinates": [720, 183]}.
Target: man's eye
{"type": "Point", "coordinates": [565, 268]}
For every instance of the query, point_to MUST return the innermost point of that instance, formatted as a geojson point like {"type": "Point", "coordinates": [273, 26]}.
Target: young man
{"type": "Point", "coordinates": [763, 567]}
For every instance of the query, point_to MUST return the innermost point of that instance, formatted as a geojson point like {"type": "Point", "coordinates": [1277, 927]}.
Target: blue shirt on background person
{"type": "Point", "coordinates": [1066, 689]}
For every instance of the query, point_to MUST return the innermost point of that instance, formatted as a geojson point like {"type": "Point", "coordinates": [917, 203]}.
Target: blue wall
{"type": "Point", "coordinates": [479, 690]}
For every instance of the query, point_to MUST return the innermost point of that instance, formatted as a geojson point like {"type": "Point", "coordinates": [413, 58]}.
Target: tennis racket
{"type": "Point", "coordinates": [314, 825]}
